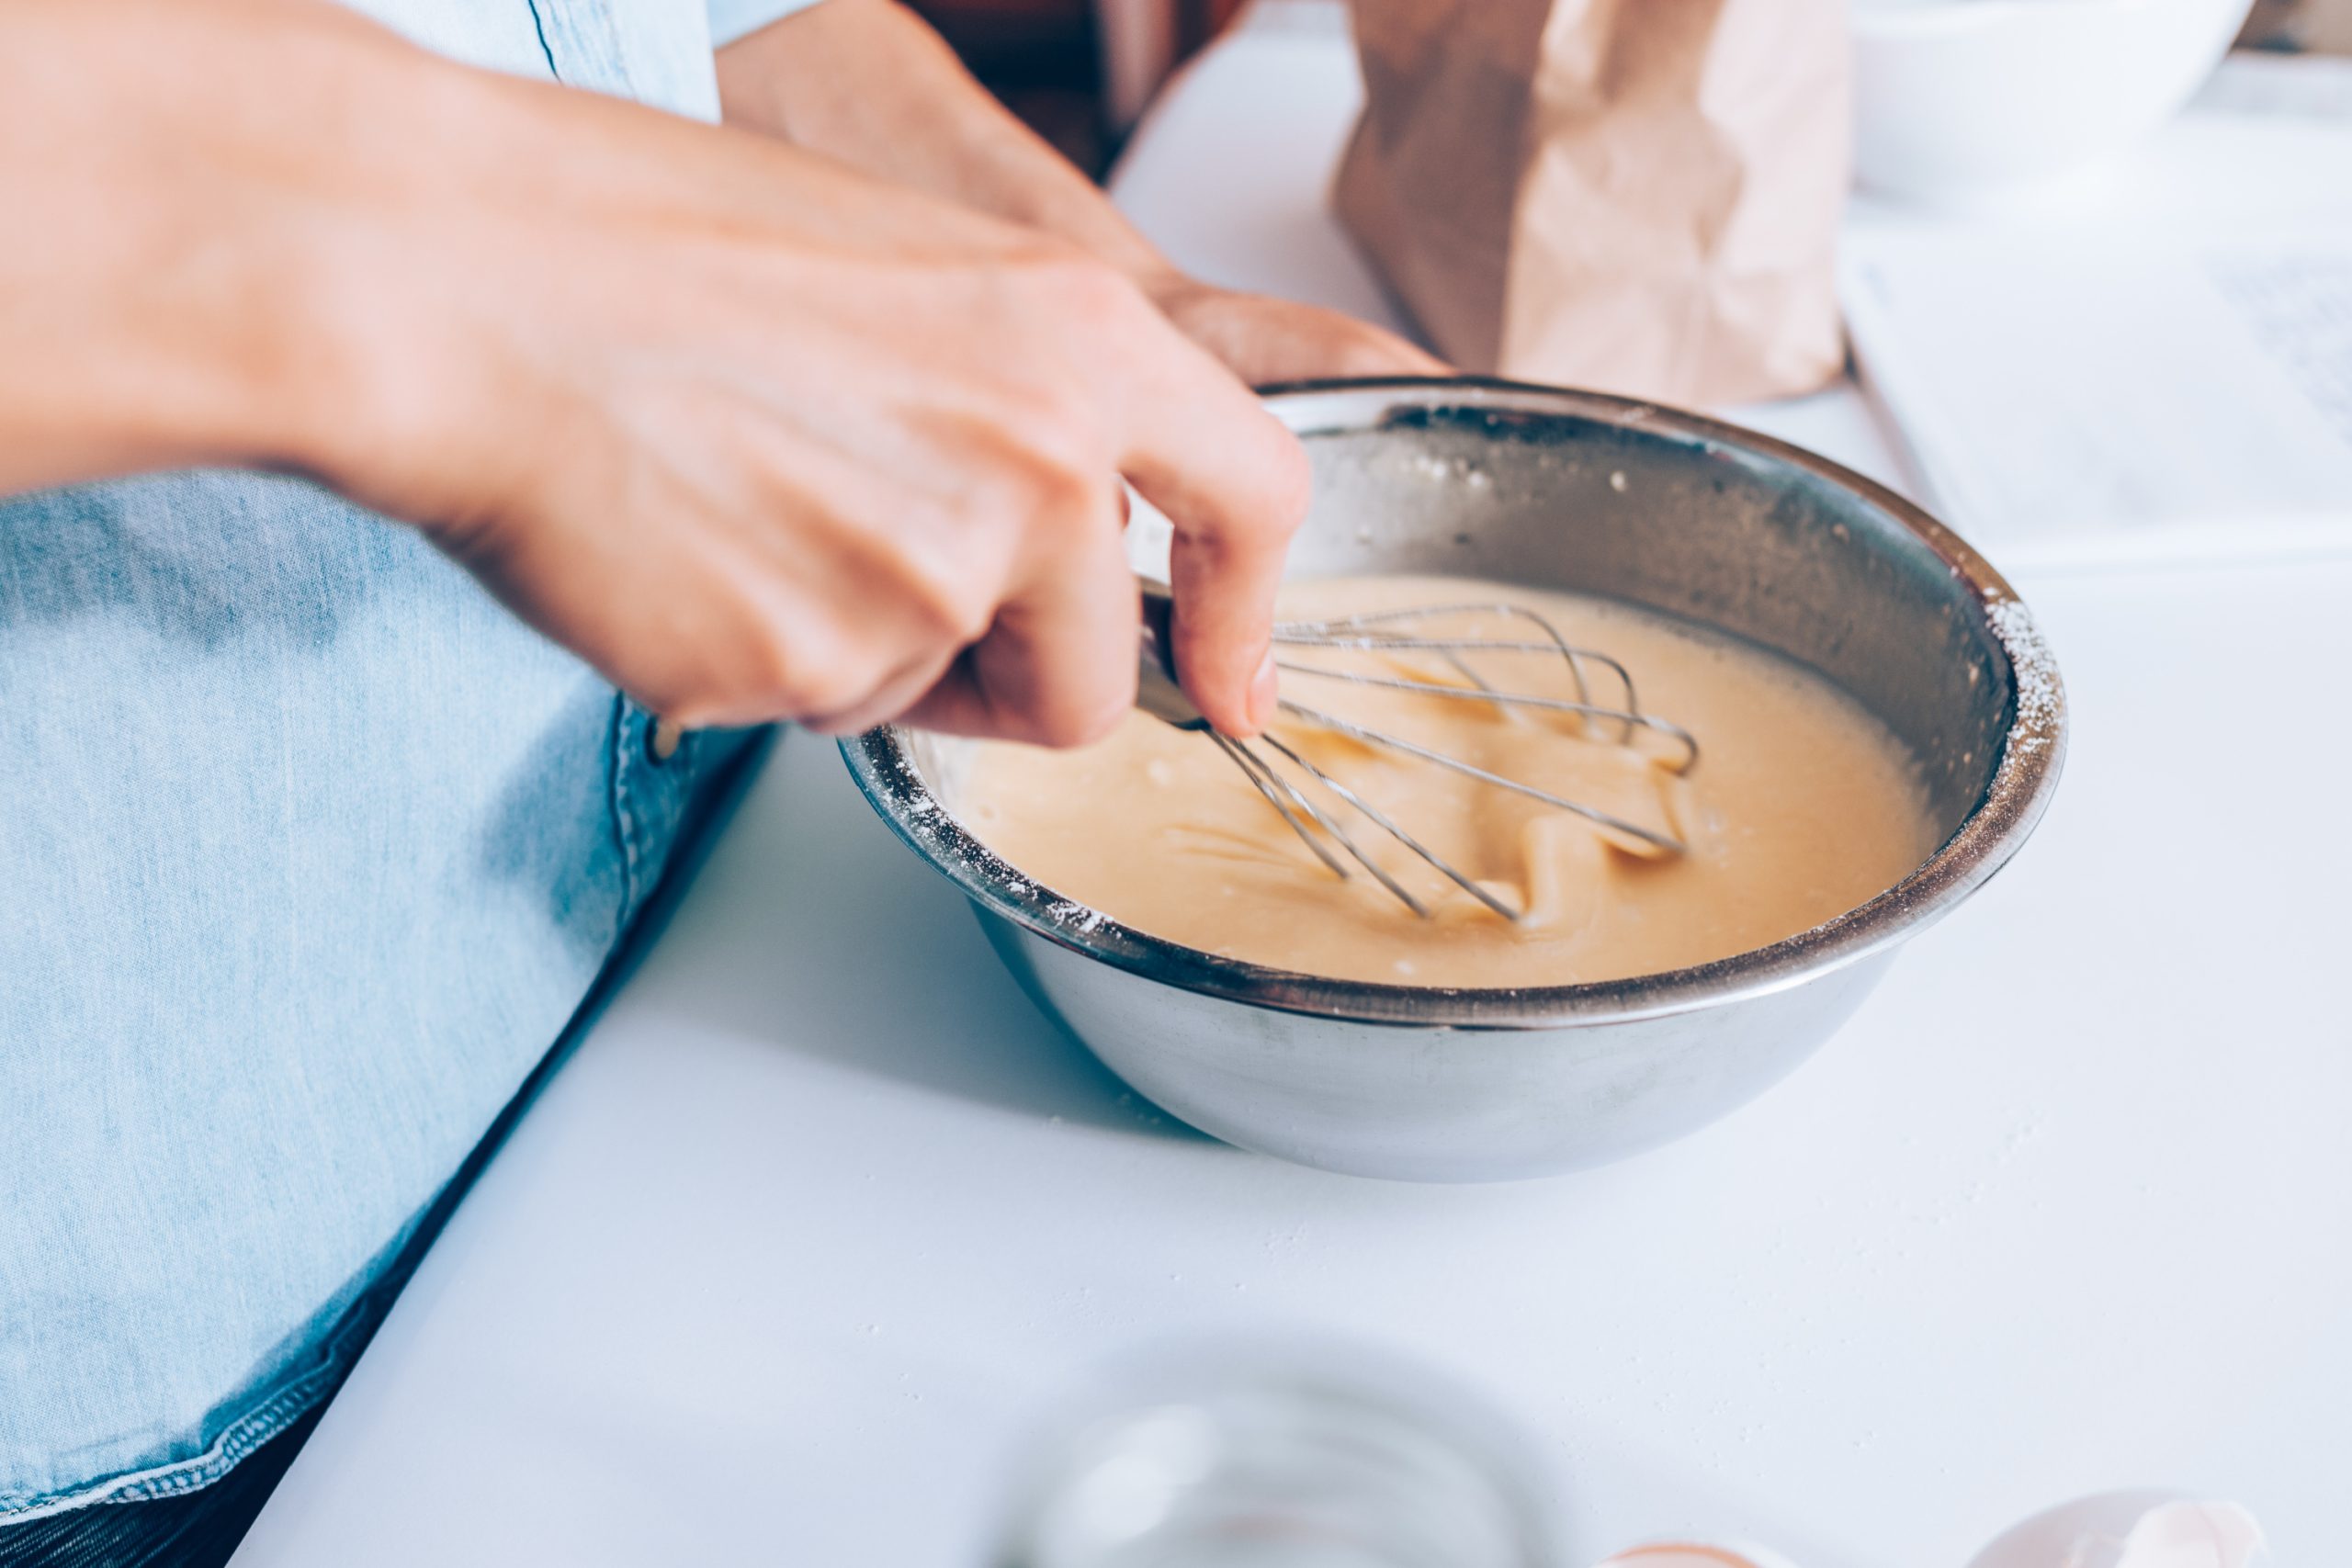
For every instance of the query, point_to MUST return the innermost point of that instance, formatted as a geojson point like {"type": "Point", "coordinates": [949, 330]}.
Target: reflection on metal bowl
{"type": "Point", "coordinates": [1600, 495]}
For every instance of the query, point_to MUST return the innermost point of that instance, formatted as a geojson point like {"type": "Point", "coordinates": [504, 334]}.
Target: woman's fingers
{"type": "Point", "coordinates": [1057, 668]}
{"type": "Point", "coordinates": [1263, 339]}
{"type": "Point", "coordinates": [1226, 562]}
{"type": "Point", "coordinates": [859, 458]}
{"type": "Point", "coordinates": [1234, 482]}
{"type": "Point", "coordinates": [890, 700]}
{"type": "Point", "coordinates": [1058, 665]}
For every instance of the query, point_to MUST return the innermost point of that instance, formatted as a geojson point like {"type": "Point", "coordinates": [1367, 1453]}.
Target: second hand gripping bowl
{"type": "Point", "coordinates": [1617, 499]}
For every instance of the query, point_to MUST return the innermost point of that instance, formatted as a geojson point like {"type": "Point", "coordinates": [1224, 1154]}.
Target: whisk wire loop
{"type": "Point", "coordinates": [1664, 842]}
{"type": "Point", "coordinates": [1368, 632]}
{"type": "Point", "coordinates": [1378, 631]}
{"type": "Point", "coordinates": [1263, 774]}
{"type": "Point", "coordinates": [1272, 786]}
{"type": "Point", "coordinates": [1483, 692]}
{"type": "Point", "coordinates": [1381, 819]}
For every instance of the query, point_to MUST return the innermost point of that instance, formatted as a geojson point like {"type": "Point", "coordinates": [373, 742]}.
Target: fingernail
{"type": "Point", "coordinates": [1263, 692]}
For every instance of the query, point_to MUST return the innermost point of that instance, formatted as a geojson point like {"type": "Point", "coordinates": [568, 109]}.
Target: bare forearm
{"type": "Point", "coordinates": [153, 275]}
{"type": "Point", "coordinates": [754, 433]}
{"type": "Point", "coordinates": [868, 83]}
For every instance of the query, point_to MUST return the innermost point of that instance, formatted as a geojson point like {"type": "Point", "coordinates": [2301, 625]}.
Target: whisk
{"type": "Point", "coordinates": [1391, 634]}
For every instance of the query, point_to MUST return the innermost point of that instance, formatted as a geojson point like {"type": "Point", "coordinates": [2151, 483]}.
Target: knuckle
{"type": "Point", "coordinates": [948, 595]}
{"type": "Point", "coordinates": [956, 606]}
{"type": "Point", "coordinates": [1057, 423]}
{"type": "Point", "coordinates": [769, 669]}
{"type": "Point", "coordinates": [1291, 485]}
{"type": "Point", "coordinates": [794, 681]}
{"type": "Point", "coordinates": [1070, 724]}
{"type": "Point", "coordinates": [1066, 497]}
{"type": "Point", "coordinates": [948, 604]}
{"type": "Point", "coordinates": [1079, 288]}
{"type": "Point", "coordinates": [945, 564]}
{"type": "Point", "coordinates": [965, 618]}
{"type": "Point", "coordinates": [1079, 712]}
{"type": "Point", "coordinates": [1051, 486]}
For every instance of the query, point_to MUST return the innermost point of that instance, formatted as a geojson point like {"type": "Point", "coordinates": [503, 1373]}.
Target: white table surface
{"type": "Point", "coordinates": [784, 1260]}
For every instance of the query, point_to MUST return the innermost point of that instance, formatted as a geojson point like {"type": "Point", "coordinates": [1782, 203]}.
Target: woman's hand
{"type": "Point", "coordinates": [867, 82]}
{"type": "Point", "coordinates": [1263, 340]}
{"type": "Point", "coordinates": [757, 436]}
{"type": "Point", "coordinates": [762, 439]}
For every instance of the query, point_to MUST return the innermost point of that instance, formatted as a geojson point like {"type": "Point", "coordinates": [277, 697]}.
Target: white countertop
{"type": "Point", "coordinates": [783, 1260]}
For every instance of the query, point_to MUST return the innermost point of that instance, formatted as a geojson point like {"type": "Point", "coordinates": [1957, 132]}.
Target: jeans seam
{"type": "Point", "coordinates": [263, 1421]}
{"type": "Point", "coordinates": [625, 823]}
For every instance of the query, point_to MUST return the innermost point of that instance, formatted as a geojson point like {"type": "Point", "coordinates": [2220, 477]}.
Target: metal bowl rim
{"type": "Point", "coordinates": [2032, 757]}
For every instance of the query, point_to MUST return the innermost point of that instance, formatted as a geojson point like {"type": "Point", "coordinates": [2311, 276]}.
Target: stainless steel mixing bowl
{"type": "Point", "coordinates": [1576, 491]}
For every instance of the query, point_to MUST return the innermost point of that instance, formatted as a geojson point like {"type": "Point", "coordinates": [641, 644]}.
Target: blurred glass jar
{"type": "Point", "coordinates": [1268, 1458]}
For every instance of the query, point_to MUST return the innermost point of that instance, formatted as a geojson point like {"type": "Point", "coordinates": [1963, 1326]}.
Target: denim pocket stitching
{"type": "Point", "coordinates": [270, 1415]}
{"type": "Point", "coordinates": [624, 822]}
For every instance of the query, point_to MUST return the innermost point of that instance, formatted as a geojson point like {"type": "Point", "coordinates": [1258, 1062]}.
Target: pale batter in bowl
{"type": "Point", "coordinates": [1679, 514]}
{"type": "Point", "coordinates": [1801, 807]}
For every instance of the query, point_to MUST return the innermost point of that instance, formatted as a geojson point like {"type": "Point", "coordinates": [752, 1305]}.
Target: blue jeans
{"type": "Point", "coordinates": [313, 851]}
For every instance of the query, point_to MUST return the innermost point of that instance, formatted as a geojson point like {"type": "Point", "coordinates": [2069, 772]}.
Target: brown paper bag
{"type": "Point", "coordinates": [1637, 196]}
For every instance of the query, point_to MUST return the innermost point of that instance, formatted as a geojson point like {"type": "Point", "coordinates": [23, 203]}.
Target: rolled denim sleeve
{"type": "Point", "coordinates": [732, 19]}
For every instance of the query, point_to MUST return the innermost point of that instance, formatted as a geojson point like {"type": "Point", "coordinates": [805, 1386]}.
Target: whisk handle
{"type": "Point", "coordinates": [1157, 692]}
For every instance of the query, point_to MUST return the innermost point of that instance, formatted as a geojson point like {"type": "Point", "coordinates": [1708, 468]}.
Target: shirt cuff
{"type": "Point", "coordinates": [732, 19]}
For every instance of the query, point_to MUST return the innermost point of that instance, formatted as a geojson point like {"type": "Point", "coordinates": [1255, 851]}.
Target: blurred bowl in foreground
{"type": "Point", "coordinates": [1956, 100]}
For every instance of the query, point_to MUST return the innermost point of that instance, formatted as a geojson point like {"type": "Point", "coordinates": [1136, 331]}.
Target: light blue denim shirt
{"type": "Point", "coordinates": [310, 854]}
